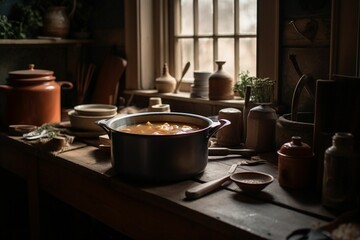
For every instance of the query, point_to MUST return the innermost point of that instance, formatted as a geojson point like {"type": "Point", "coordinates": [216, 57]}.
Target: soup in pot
{"type": "Point", "coordinates": [159, 128]}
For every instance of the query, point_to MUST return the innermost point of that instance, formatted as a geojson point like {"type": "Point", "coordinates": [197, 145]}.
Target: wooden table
{"type": "Point", "coordinates": [83, 178]}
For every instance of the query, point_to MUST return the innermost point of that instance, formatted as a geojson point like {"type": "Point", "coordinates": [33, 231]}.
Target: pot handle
{"type": "Point", "coordinates": [102, 124]}
{"type": "Point", "coordinates": [65, 84]}
{"type": "Point", "coordinates": [216, 126]}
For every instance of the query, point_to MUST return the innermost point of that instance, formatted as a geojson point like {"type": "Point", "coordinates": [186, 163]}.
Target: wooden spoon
{"type": "Point", "coordinates": [186, 68]}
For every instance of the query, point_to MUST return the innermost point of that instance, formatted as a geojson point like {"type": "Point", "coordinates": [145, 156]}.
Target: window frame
{"type": "Point", "coordinates": [174, 36]}
{"type": "Point", "coordinates": [147, 23]}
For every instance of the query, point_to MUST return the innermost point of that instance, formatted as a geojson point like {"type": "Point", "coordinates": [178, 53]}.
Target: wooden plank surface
{"type": "Point", "coordinates": [83, 178]}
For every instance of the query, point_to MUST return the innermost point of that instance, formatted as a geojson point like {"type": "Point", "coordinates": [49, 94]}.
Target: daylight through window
{"type": "Point", "coordinates": [209, 30]}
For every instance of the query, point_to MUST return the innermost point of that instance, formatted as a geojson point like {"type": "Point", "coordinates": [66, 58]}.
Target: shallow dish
{"type": "Point", "coordinates": [95, 109]}
{"type": "Point", "coordinates": [87, 122]}
{"type": "Point", "coordinates": [252, 181]}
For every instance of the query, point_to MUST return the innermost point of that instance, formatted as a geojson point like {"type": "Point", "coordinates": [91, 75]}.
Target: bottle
{"type": "Point", "coordinates": [339, 176]}
{"type": "Point", "coordinates": [221, 84]}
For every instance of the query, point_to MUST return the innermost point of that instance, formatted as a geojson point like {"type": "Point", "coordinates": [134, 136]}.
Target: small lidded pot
{"type": "Point", "coordinates": [296, 165]}
{"type": "Point", "coordinates": [31, 97]}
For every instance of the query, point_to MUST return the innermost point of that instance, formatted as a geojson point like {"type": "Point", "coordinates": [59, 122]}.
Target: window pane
{"type": "Point", "coordinates": [186, 47]}
{"type": "Point", "coordinates": [226, 17]}
{"type": "Point", "coordinates": [205, 17]}
{"type": "Point", "coordinates": [206, 61]}
{"type": "Point", "coordinates": [248, 55]}
{"type": "Point", "coordinates": [226, 53]}
{"type": "Point", "coordinates": [247, 16]}
{"type": "Point", "coordinates": [186, 16]}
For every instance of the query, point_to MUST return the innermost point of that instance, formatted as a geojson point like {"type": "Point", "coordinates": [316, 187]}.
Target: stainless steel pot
{"type": "Point", "coordinates": [160, 157]}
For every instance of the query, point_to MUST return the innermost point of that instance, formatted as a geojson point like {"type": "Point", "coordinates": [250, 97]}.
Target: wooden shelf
{"type": "Point", "coordinates": [185, 97]}
{"type": "Point", "coordinates": [48, 41]}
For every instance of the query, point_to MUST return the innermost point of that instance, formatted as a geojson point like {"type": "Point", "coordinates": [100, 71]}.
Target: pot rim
{"type": "Point", "coordinates": [109, 122]}
{"type": "Point", "coordinates": [288, 122]}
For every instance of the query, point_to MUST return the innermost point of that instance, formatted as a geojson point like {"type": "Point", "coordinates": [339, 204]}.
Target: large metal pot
{"type": "Point", "coordinates": [160, 157]}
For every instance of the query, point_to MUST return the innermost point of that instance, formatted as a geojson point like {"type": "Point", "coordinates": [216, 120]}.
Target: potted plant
{"type": "Point", "coordinates": [24, 21]}
{"type": "Point", "coordinates": [262, 89]}
{"type": "Point", "coordinates": [257, 92]}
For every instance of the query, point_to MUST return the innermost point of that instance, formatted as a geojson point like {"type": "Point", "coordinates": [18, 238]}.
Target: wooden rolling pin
{"type": "Point", "coordinates": [221, 151]}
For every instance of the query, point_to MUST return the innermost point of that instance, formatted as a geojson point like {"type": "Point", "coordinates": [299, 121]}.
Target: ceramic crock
{"type": "Point", "coordinates": [261, 123]}
{"type": "Point", "coordinates": [296, 165]}
{"type": "Point", "coordinates": [31, 97]}
{"type": "Point", "coordinates": [160, 158]}
{"type": "Point", "coordinates": [221, 84]}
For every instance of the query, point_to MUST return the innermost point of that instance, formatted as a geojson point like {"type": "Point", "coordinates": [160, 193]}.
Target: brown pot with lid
{"type": "Point", "coordinates": [32, 97]}
{"type": "Point", "coordinates": [296, 165]}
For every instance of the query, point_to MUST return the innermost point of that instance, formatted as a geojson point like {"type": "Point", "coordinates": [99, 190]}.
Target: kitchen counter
{"type": "Point", "coordinates": [82, 177]}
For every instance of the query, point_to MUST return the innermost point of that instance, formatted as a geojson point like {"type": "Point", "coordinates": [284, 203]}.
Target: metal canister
{"type": "Point", "coordinates": [339, 176]}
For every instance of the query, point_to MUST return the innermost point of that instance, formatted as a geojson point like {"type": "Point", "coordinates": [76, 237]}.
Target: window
{"type": "Point", "coordinates": [209, 30]}
{"type": "Point", "coordinates": [150, 39]}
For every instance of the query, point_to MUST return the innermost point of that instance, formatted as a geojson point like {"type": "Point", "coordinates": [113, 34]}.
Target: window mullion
{"type": "Point", "coordinates": [196, 34]}
{"type": "Point", "coordinates": [215, 30]}
{"type": "Point", "coordinates": [236, 38]}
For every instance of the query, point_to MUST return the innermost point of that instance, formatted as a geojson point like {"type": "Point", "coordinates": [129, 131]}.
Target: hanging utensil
{"type": "Point", "coordinates": [186, 68]}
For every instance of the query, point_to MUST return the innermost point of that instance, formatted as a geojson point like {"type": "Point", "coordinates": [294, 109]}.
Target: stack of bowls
{"type": "Point", "coordinates": [200, 88]}
{"type": "Point", "coordinates": [85, 116]}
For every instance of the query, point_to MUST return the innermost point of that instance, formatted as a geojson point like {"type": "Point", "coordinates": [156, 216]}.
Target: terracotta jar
{"type": "Point", "coordinates": [31, 97]}
{"type": "Point", "coordinates": [296, 165]}
{"type": "Point", "coordinates": [165, 83]}
{"type": "Point", "coordinates": [221, 84]}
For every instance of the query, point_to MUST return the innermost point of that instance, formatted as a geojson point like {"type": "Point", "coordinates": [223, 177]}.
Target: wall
{"type": "Point", "coordinates": [305, 34]}
{"type": "Point", "coordinates": [106, 27]}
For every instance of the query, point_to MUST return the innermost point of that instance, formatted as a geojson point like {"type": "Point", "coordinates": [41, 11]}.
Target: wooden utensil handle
{"type": "Point", "coordinates": [220, 151]}
{"type": "Point", "coordinates": [202, 189]}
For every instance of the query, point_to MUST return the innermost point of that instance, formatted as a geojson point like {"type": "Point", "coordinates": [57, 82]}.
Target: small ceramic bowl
{"type": "Point", "coordinates": [95, 109]}
{"type": "Point", "coordinates": [87, 123]}
{"type": "Point", "coordinates": [252, 181]}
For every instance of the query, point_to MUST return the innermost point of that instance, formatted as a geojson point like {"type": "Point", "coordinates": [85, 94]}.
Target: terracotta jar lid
{"type": "Point", "coordinates": [30, 73]}
{"type": "Point", "coordinates": [296, 149]}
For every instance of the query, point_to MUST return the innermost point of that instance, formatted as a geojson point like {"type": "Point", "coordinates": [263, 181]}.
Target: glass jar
{"type": "Point", "coordinates": [339, 176]}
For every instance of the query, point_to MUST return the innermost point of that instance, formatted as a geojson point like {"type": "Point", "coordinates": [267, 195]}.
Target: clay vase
{"type": "Point", "coordinates": [221, 84]}
{"type": "Point", "coordinates": [56, 22]}
{"type": "Point", "coordinates": [165, 83]}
